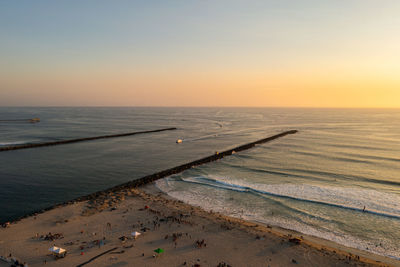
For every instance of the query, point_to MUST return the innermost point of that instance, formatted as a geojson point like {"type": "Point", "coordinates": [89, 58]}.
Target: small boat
{"type": "Point", "coordinates": [34, 120]}
{"type": "Point", "coordinates": [179, 141]}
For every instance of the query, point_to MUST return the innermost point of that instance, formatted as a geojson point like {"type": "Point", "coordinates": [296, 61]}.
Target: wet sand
{"type": "Point", "coordinates": [188, 235]}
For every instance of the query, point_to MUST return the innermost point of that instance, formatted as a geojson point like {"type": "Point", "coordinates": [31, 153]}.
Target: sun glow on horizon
{"type": "Point", "coordinates": [307, 54]}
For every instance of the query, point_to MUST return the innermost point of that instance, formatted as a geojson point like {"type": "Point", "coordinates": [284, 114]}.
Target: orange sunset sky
{"type": "Point", "coordinates": [200, 53]}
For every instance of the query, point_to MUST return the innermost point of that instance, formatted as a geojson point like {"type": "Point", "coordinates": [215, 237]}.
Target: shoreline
{"type": "Point", "coordinates": [172, 225]}
{"type": "Point", "coordinates": [312, 241]}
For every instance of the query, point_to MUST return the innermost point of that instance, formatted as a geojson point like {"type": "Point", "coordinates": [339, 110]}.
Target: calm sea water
{"type": "Point", "coordinates": [317, 181]}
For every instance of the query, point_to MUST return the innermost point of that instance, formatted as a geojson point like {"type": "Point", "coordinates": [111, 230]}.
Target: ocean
{"type": "Point", "coordinates": [338, 178]}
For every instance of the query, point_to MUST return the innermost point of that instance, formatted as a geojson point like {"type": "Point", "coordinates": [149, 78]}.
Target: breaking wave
{"type": "Point", "coordinates": [375, 202]}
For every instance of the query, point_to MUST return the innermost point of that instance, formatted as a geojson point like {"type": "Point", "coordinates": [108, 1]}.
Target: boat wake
{"type": "Point", "coordinates": [15, 143]}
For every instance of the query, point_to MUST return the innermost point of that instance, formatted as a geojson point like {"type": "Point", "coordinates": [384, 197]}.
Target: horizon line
{"type": "Point", "coordinates": [155, 106]}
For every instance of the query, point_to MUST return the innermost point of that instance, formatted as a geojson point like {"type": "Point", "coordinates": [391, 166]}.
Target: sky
{"type": "Point", "coordinates": [297, 53]}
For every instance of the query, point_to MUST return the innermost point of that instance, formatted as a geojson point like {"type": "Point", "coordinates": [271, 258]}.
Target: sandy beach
{"type": "Point", "coordinates": [188, 236]}
{"type": "Point", "coordinates": [199, 133]}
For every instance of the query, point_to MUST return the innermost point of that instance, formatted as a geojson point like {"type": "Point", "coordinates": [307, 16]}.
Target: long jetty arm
{"type": "Point", "coordinates": [34, 120]}
{"type": "Point", "coordinates": [62, 142]}
{"type": "Point", "coordinates": [162, 174]}
{"type": "Point", "coordinates": [181, 168]}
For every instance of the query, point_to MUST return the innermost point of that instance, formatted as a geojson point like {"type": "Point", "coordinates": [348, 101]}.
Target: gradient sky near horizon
{"type": "Point", "coordinates": [297, 53]}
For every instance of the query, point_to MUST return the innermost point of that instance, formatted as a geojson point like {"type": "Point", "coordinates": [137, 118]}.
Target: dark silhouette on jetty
{"type": "Point", "coordinates": [62, 142]}
{"type": "Point", "coordinates": [34, 120]}
{"type": "Point", "coordinates": [162, 174]}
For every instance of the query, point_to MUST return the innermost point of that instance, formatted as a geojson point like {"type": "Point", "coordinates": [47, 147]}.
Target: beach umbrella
{"type": "Point", "coordinates": [159, 250]}
{"type": "Point", "coordinates": [135, 234]}
{"type": "Point", "coordinates": [53, 248]}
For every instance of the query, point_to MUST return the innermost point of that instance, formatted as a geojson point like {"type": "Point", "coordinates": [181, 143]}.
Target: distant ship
{"type": "Point", "coordinates": [34, 120]}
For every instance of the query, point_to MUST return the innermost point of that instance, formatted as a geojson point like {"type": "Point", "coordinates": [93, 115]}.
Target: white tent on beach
{"type": "Point", "coordinates": [58, 252]}
{"type": "Point", "coordinates": [53, 248]}
{"type": "Point", "coordinates": [135, 234]}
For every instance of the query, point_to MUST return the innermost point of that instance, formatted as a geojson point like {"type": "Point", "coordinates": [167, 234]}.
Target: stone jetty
{"type": "Point", "coordinates": [69, 141]}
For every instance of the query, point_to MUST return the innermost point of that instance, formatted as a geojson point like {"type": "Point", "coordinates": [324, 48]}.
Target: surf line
{"type": "Point", "coordinates": [159, 175]}
{"type": "Point", "coordinates": [69, 141]}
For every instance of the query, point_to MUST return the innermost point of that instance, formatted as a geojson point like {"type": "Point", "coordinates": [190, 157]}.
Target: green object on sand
{"type": "Point", "coordinates": [159, 250]}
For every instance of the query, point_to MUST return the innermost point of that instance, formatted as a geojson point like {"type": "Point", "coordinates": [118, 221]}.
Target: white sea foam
{"type": "Point", "coordinates": [379, 203]}
{"type": "Point", "coordinates": [14, 143]}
